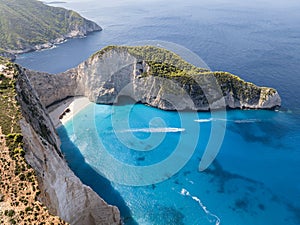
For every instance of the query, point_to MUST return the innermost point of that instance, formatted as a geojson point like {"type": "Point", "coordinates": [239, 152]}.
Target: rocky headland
{"type": "Point", "coordinates": [31, 25]}
{"type": "Point", "coordinates": [152, 76]}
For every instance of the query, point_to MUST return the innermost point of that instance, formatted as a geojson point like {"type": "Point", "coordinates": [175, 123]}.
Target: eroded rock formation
{"type": "Point", "coordinates": [155, 77]}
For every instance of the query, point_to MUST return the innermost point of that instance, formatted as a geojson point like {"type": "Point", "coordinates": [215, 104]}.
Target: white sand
{"type": "Point", "coordinates": [75, 105]}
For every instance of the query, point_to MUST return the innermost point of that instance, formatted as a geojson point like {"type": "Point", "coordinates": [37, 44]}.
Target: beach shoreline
{"type": "Point", "coordinates": [63, 111]}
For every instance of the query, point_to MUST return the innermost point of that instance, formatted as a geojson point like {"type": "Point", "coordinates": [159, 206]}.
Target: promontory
{"type": "Point", "coordinates": [30, 25]}
{"type": "Point", "coordinates": [153, 76]}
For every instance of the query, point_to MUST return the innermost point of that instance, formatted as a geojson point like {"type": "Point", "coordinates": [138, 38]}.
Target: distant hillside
{"type": "Point", "coordinates": [28, 25]}
{"type": "Point", "coordinates": [6, 54]}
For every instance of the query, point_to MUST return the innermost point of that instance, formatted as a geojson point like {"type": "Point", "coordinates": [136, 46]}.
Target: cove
{"type": "Point", "coordinates": [253, 180]}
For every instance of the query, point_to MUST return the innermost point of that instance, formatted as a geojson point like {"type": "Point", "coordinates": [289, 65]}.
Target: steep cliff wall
{"type": "Point", "coordinates": [61, 191]}
{"type": "Point", "coordinates": [54, 87]}
{"type": "Point", "coordinates": [162, 79]}
{"type": "Point", "coordinates": [155, 77]}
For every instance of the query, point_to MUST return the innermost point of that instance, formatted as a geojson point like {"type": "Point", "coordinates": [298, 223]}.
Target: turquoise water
{"type": "Point", "coordinates": [254, 179]}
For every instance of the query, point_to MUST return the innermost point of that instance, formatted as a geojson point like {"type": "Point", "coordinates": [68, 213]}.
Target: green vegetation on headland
{"type": "Point", "coordinates": [166, 64]}
{"type": "Point", "coordinates": [155, 56]}
{"type": "Point", "coordinates": [28, 23]}
{"type": "Point", "coordinates": [19, 192]}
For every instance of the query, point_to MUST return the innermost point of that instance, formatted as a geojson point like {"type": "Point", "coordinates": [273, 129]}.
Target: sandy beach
{"type": "Point", "coordinates": [63, 111]}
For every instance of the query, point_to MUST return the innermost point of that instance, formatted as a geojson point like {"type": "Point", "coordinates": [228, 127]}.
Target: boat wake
{"type": "Point", "coordinates": [204, 120]}
{"type": "Point", "coordinates": [227, 120]}
{"type": "Point", "coordinates": [154, 130]}
{"type": "Point", "coordinates": [212, 218]}
{"type": "Point", "coordinates": [247, 121]}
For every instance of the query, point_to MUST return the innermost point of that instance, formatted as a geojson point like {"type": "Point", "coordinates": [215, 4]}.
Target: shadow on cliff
{"type": "Point", "coordinates": [90, 177]}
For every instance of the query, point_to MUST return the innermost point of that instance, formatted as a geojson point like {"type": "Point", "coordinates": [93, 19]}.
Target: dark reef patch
{"type": "Point", "coordinates": [260, 132]}
{"type": "Point", "coordinates": [242, 204]}
{"type": "Point", "coordinates": [222, 176]}
{"type": "Point", "coordinates": [296, 211]}
{"type": "Point", "coordinates": [142, 158]}
{"type": "Point", "coordinates": [169, 215]}
{"type": "Point", "coordinates": [261, 206]}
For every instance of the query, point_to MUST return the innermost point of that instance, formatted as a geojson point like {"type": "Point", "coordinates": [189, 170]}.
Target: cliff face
{"type": "Point", "coordinates": [61, 191]}
{"type": "Point", "coordinates": [51, 88]}
{"type": "Point", "coordinates": [155, 77]}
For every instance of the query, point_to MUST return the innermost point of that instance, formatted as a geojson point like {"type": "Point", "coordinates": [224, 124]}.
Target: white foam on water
{"type": "Point", "coordinates": [203, 120]}
{"type": "Point", "coordinates": [246, 121]}
{"type": "Point", "coordinates": [233, 121]}
{"type": "Point", "coordinates": [210, 120]}
{"type": "Point", "coordinates": [155, 130]}
{"type": "Point", "coordinates": [53, 47]}
{"type": "Point", "coordinates": [73, 137]}
{"type": "Point", "coordinates": [45, 49]}
{"type": "Point", "coordinates": [215, 219]}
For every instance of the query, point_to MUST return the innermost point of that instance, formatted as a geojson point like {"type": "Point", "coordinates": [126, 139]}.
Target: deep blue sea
{"type": "Point", "coordinates": [146, 161]}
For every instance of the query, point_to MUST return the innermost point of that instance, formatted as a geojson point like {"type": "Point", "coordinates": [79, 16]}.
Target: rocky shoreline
{"type": "Point", "coordinates": [57, 41]}
{"type": "Point", "coordinates": [12, 54]}
{"type": "Point", "coordinates": [48, 27]}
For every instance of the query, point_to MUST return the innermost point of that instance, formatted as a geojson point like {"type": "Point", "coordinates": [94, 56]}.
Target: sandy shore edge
{"type": "Point", "coordinates": [65, 110]}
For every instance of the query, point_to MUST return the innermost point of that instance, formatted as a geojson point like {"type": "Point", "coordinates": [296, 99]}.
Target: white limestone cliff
{"type": "Point", "coordinates": [115, 72]}
{"type": "Point", "coordinates": [61, 191]}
